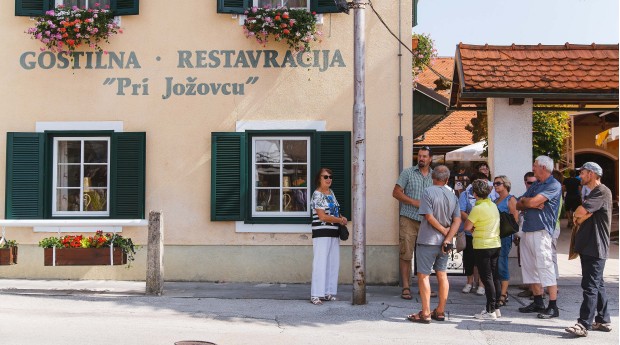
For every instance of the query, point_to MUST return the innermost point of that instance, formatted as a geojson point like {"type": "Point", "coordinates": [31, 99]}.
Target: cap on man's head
{"type": "Point", "coordinates": [593, 167]}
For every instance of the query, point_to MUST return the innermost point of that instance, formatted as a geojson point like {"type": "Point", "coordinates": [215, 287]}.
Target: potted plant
{"type": "Point", "coordinates": [65, 29]}
{"type": "Point", "coordinates": [79, 250]}
{"type": "Point", "coordinates": [295, 26]}
{"type": "Point", "coordinates": [424, 53]}
{"type": "Point", "coordinates": [8, 252]}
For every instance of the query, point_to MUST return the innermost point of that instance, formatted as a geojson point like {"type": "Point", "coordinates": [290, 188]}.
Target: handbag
{"type": "Point", "coordinates": [507, 224]}
{"type": "Point", "coordinates": [343, 232]}
{"type": "Point", "coordinates": [461, 241]}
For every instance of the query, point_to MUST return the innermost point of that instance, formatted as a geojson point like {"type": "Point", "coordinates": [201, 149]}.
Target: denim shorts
{"type": "Point", "coordinates": [430, 257]}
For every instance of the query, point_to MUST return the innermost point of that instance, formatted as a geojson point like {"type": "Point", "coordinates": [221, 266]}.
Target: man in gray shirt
{"type": "Point", "coordinates": [441, 219]}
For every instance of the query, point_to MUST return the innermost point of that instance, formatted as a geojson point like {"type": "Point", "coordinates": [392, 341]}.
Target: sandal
{"type": "Point", "coordinates": [603, 327]}
{"type": "Point", "coordinates": [578, 330]}
{"type": "Point", "coordinates": [437, 316]}
{"type": "Point", "coordinates": [419, 318]}
{"type": "Point", "coordinates": [406, 295]}
{"type": "Point", "coordinates": [315, 301]}
{"type": "Point", "coordinates": [503, 300]}
{"type": "Point", "coordinates": [329, 298]}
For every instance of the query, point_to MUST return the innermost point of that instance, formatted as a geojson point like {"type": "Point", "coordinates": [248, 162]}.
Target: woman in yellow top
{"type": "Point", "coordinates": [483, 223]}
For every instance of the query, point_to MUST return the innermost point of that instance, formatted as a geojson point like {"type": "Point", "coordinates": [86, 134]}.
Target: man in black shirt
{"type": "Point", "coordinates": [592, 244]}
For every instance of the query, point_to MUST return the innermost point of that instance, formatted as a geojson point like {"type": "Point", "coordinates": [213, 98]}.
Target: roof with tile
{"type": "Point", "coordinates": [450, 131]}
{"type": "Point", "coordinates": [547, 73]}
{"type": "Point", "coordinates": [443, 66]}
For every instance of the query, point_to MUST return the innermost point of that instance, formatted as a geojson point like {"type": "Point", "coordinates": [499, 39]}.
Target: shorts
{"type": "Point", "coordinates": [537, 258]}
{"type": "Point", "coordinates": [407, 236]}
{"type": "Point", "coordinates": [430, 257]}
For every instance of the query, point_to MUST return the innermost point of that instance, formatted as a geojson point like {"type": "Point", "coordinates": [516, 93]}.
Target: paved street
{"type": "Point", "coordinates": [117, 312]}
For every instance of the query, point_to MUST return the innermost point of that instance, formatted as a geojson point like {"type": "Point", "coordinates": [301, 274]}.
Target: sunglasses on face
{"type": "Point", "coordinates": [529, 183]}
{"type": "Point", "coordinates": [327, 177]}
{"type": "Point", "coordinates": [498, 183]}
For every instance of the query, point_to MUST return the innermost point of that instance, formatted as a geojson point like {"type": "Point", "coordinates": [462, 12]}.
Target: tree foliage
{"type": "Point", "coordinates": [549, 130]}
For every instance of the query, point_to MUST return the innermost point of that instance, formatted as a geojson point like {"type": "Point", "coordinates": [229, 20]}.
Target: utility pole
{"type": "Point", "coordinates": [359, 154]}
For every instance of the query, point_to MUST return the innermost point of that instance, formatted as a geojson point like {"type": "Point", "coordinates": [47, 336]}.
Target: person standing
{"type": "Point", "coordinates": [440, 209]}
{"type": "Point", "coordinates": [325, 239]}
{"type": "Point", "coordinates": [572, 199]}
{"type": "Point", "coordinates": [484, 217]}
{"type": "Point", "coordinates": [592, 244]}
{"type": "Point", "coordinates": [505, 203]}
{"type": "Point", "coordinates": [540, 209]}
{"type": "Point", "coordinates": [408, 191]}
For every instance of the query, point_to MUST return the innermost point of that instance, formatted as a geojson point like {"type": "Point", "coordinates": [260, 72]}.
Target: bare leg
{"type": "Point", "coordinates": [553, 292]}
{"type": "Point", "coordinates": [537, 289]}
{"type": "Point", "coordinates": [505, 287]}
{"type": "Point", "coordinates": [444, 287]}
{"type": "Point", "coordinates": [425, 293]}
{"type": "Point", "coordinates": [405, 272]}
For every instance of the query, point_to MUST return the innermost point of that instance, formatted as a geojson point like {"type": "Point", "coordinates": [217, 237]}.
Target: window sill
{"type": "Point", "coordinates": [273, 228]}
{"type": "Point", "coordinates": [73, 225]}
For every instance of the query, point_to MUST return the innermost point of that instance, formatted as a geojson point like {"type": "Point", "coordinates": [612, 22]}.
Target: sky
{"type": "Point", "coordinates": [503, 22]}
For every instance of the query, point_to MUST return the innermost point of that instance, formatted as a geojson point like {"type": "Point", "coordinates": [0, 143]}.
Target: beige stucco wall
{"type": "Point", "coordinates": [179, 128]}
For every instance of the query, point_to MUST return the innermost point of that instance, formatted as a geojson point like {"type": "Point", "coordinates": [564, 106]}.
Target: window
{"type": "Point", "coordinates": [280, 176]}
{"type": "Point", "coordinates": [33, 8]}
{"type": "Point", "coordinates": [80, 176]}
{"type": "Point", "coordinates": [87, 174]}
{"type": "Point", "coordinates": [283, 3]}
{"type": "Point", "coordinates": [265, 176]}
{"type": "Point", "coordinates": [239, 6]}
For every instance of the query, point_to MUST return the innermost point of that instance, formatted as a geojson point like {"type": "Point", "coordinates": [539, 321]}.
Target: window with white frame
{"type": "Point", "coordinates": [81, 176]}
{"type": "Point", "coordinates": [280, 175]}
{"type": "Point", "coordinates": [305, 4]}
{"type": "Point", "coordinates": [85, 3]}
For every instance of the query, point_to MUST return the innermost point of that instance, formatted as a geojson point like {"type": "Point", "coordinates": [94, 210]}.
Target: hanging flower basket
{"type": "Point", "coordinates": [424, 52]}
{"type": "Point", "coordinates": [72, 250]}
{"type": "Point", "coordinates": [8, 253]}
{"type": "Point", "coordinates": [295, 26]}
{"type": "Point", "coordinates": [66, 29]}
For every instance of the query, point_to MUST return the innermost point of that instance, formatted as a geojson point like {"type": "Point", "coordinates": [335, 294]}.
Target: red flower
{"type": "Point", "coordinates": [277, 18]}
{"type": "Point", "coordinates": [286, 31]}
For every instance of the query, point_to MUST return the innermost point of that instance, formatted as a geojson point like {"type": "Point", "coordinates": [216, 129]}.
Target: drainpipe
{"type": "Point", "coordinates": [400, 94]}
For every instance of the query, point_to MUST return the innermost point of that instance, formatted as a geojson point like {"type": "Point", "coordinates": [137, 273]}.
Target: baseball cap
{"type": "Point", "coordinates": [593, 167]}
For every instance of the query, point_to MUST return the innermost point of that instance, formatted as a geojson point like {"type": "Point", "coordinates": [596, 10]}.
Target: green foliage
{"type": "Point", "coordinates": [424, 54]}
{"type": "Point", "coordinates": [295, 26]}
{"type": "Point", "coordinates": [549, 129]}
{"type": "Point", "coordinates": [50, 242]}
{"type": "Point", "coordinates": [8, 244]}
{"type": "Point", "coordinates": [100, 240]}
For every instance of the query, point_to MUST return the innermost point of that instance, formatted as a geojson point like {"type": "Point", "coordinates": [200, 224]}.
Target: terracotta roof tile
{"type": "Point", "coordinates": [445, 67]}
{"type": "Point", "coordinates": [450, 131]}
{"type": "Point", "coordinates": [563, 68]}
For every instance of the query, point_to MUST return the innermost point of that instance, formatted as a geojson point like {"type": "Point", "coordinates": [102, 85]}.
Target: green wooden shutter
{"type": "Point", "coordinates": [323, 6]}
{"type": "Point", "coordinates": [334, 152]}
{"type": "Point", "coordinates": [24, 175]}
{"type": "Point", "coordinates": [31, 8]}
{"type": "Point", "coordinates": [232, 6]}
{"type": "Point", "coordinates": [228, 176]}
{"type": "Point", "coordinates": [128, 175]}
{"type": "Point", "coordinates": [125, 7]}
{"type": "Point", "coordinates": [414, 13]}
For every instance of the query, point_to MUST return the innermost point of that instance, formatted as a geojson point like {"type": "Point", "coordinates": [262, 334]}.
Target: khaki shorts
{"type": "Point", "coordinates": [407, 237]}
{"type": "Point", "coordinates": [537, 258]}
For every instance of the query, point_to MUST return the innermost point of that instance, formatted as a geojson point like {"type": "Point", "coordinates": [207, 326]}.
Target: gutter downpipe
{"type": "Point", "coordinates": [400, 92]}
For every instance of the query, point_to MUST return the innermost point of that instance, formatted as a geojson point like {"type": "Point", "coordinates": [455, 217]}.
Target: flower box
{"type": "Point", "coordinates": [83, 256]}
{"type": "Point", "coordinates": [8, 256]}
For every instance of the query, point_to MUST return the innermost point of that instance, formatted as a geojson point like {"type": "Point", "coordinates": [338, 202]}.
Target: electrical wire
{"type": "Point", "coordinates": [443, 78]}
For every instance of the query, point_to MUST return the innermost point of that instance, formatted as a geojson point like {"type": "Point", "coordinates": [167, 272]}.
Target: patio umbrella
{"type": "Point", "coordinates": [467, 153]}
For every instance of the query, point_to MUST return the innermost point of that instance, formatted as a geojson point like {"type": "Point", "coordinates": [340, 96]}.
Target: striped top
{"type": "Point", "coordinates": [330, 205]}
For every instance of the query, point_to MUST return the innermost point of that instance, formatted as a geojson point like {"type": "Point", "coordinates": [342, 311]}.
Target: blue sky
{"type": "Point", "coordinates": [503, 22]}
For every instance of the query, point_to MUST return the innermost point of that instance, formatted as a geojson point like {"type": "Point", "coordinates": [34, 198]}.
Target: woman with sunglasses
{"type": "Point", "coordinates": [325, 240]}
{"type": "Point", "coordinates": [505, 203]}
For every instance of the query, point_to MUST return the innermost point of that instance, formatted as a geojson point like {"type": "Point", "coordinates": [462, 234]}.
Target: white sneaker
{"type": "Point", "coordinates": [467, 288]}
{"type": "Point", "coordinates": [498, 313]}
{"type": "Point", "coordinates": [486, 316]}
{"type": "Point", "coordinates": [480, 291]}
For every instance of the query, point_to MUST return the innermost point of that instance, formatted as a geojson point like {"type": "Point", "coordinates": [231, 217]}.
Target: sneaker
{"type": "Point", "coordinates": [532, 308]}
{"type": "Point", "coordinates": [467, 288]}
{"type": "Point", "coordinates": [498, 313]}
{"type": "Point", "coordinates": [549, 313]}
{"type": "Point", "coordinates": [484, 315]}
{"type": "Point", "coordinates": [480, 291]}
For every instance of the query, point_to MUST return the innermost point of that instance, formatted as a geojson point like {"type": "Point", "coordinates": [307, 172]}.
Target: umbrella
{"type": "Point", "coordinates": [467, 153]}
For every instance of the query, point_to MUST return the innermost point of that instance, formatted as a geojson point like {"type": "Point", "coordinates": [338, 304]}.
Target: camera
{"type": "Point", "coordinates": [447, 247]}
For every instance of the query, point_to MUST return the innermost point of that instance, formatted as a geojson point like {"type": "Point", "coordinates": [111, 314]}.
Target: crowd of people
{"type": "Point", "coordinates": [432, 214]}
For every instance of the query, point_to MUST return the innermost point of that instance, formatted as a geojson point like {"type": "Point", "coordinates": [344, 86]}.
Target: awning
{"type": "Point", "coordinates": [607, 137]}
{"type": "Point", "coordinates": [467, 153]}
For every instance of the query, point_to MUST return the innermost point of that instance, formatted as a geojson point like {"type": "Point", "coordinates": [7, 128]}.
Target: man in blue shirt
{"type": "Point", "coordinates": [540, 206]}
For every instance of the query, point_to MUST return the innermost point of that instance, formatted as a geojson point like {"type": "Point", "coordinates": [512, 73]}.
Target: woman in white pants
{"type": "Point", "coordinates": [325, 241]}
